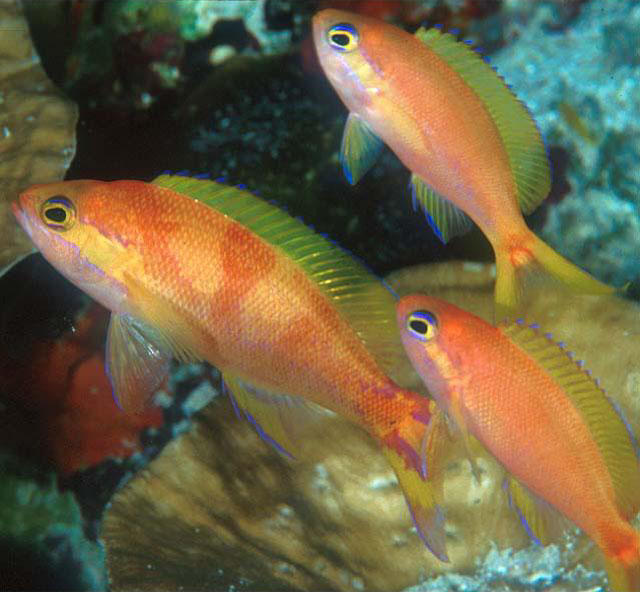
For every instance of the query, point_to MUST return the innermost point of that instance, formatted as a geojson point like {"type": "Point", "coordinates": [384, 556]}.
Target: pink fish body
{"type": "Point", "coordinates": [415, 101]}
{"type": "Point", "coordinates": [541, 415]}
{"type": "Point", "coordinates": [203, 271]}
{"type": "Point", "coordinates": [474, 152]}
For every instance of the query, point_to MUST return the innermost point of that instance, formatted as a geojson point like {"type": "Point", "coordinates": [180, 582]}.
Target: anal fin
{"type": "Point", "coordinates": [445, 219]}
{"type": "Point", "coordinates": [280, 420]}
{"type": "Point", "coordinates": [543, 523]}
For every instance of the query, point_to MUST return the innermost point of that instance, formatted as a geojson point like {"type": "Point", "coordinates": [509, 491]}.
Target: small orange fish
{"type": "Point", "coordinates": [203, 271]}
{"type": "Point", "coordinates": [474, 151]}
{"type": "Point", "coordinates": [541, 415]}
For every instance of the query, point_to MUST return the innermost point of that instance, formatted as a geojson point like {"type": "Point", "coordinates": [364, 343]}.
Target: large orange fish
{"type": "Point", "coordinates": [541, 415]}
{"type": "Point", "coordinates": [200, 270]}
{"type": "Point", "coordinates": [473, 149]}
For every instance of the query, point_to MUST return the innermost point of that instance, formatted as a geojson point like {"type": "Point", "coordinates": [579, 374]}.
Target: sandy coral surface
{"type": "Point", "coordinates": [37, 127]}
{"type": "Point", "coordinates": [230, 511]}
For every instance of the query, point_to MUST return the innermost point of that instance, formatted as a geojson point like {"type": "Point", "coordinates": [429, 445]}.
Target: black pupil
{"type": "Point", "coordinates": [341, 39]}
{"type": "Point", "coordinates": [418, 326]}
{"type": "Point", "coordinates": [57, 215]}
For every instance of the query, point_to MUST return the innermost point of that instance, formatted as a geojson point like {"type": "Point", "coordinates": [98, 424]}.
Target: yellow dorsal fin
{"type": "Point", "coordinates": [520, 136]}
{"type": "Point", "coordinates": [605, 424]}
{"type": "Point", "coordinates": [362, 299]}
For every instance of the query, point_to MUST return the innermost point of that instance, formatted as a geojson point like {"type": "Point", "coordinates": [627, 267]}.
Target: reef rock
{"type": "Point", "coordinates": [219, 508]}
{"type": "Point", "coordinates": [582, 85]}
{"type": "Point", "coordinates": [196, 20]}
{"type": "Point", "coordinates": [37, 127]}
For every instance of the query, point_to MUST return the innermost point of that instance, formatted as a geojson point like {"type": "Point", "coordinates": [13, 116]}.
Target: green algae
{"type": "Point", "coordinates": [42, 537]}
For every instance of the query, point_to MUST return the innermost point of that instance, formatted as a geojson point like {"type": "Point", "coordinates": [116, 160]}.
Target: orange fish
{"type": "Point", "coordinates": [473, 149]}
{"type": "Point", "coordinates": [542, 416]}
{"type": "Point", "coordinates": [203, 271]}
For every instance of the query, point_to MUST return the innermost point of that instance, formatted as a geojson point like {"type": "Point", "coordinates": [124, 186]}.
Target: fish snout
{"type": "Point", "coordinates": [20, 215]}
{"type": "Point", "coordinates": [16, 208]}
{"type": "Point", "coordinates": [25, 209]}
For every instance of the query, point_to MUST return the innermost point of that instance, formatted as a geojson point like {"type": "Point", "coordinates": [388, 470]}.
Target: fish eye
{"type": "Point", "coordinates": [58, 213]}
{"type": "Point", "coordinates": [343, 37]}
{"type": "Point", "coordinates": [422, 324]}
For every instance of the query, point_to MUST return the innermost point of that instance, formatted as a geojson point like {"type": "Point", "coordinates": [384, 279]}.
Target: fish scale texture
{"type": "Point", "coordinates": [413, 102]}
{"type": "Point", "coordinates": [278, 338]}
{"type": "Point", "coordinates": [539, 433]}
{"type": "Point", "coordinates": [539, 413]}
{"type": "Point", "coordinates": [217, 291]}
{"type": "Point", "coordinates": [542, 416]}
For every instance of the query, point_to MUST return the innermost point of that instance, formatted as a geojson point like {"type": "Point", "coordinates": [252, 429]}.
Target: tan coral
{"type": "Point", "coordinates": [37, 127]}
{"type": "Point", "coordinates": [219, 506]}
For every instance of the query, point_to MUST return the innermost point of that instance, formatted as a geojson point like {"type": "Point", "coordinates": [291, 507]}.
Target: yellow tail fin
{"type": "Point", "coordinates": [623, 568]}
{"type": "Point", "coordinates": [414, 449]}
{"type": "Point", "coordinates": [533, 258]}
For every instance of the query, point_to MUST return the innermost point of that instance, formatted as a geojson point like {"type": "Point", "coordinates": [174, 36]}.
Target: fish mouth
{"type": "Point", "coordinates": [17, 210]}
{"type": "Point", "coordinates": [21, 216]}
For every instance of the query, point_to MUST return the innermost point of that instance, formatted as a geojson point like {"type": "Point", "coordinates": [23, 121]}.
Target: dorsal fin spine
{"type": "Point", "coordinates": [606, 424]}
{"type": "Point", "coordinates": [528, 156]}
{"type": "Point", "coordinates": [360, 298]}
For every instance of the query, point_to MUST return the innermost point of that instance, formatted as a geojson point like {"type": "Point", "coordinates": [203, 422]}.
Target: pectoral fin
{"type": "Point", "coordinates": [458, 426]}
{"type": "Point", "coordinates": [445, 219]}
{"type": "Point", "coordinates": [360, 148]}
{"type": "Point", "coordinates": [135, 364]}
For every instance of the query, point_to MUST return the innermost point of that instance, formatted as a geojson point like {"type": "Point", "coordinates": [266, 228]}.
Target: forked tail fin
{"type": "Point", "coordinates": [623, 567]}
{"type": "Point", "coordinates": [414, 450]}
{"type": "Point", "coordinates": [532, 257]}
